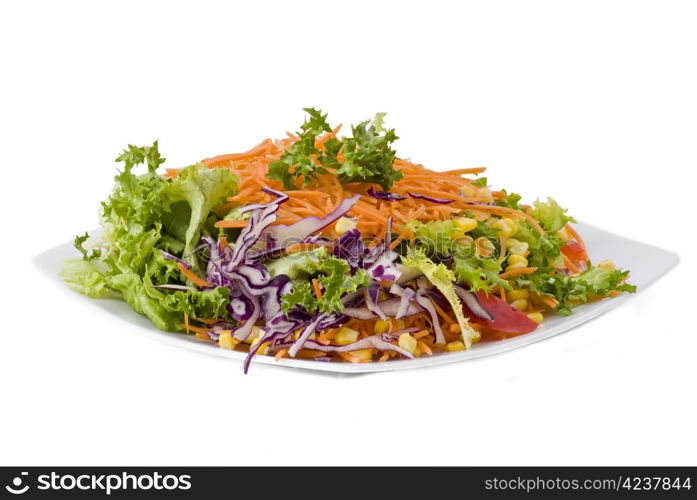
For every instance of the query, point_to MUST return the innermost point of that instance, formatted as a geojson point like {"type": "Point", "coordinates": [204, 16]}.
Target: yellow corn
{"type": "Point", "coordinates": [517, 259]}
{"type": "Point", "coordinates": [484, 246]}
{"type": "Point", "coordinates": [346, 336]}
{"type": "Point", "coordinates": [407, 342]}
{"type": "Point", "coordinates": [456, 346]}
{"type": "Point", "coordinates": [465, 224]}
{"type": "Point", "coordinates": [363, 354]}
{"type": "Point", "coordinates": [381, 326]}
{"type": "Point", "coordinates": [517, 294]}
{"type": "Point", "coordinates": [520, 248]}
{"type": "Point", "coordinates": [507, 227]}
{"type": "Point", "coordinates": [484, 194]}
{"type": "Point", "coordinates": [513, 267]}
{"type": "Point", "coordinates": [264, 346]}
{"type": "Point", "coordinates": [520, 304]}
{"type": "Point", "coordinates": [537, 317]}
{"type": "Point", "coordinates": [226, 341]}
{"type": "Point", "coordinates": [607, 264]}
{"type": "Point", "coordinates": [344, 224]}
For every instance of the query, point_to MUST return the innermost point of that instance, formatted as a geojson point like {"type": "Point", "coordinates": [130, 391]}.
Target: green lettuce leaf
{"type": "Point", "coordinates": [550, 215]}
{"type": "Point", "coordinates": [442, 278]}
{"type": "Point", "coordinates": [202, 189]}
{"type": "Point", "coordinates": [299, 265]}
{"type": "Point", "coordinates": [87, 277]}
{"type": "Point", "coordinates": [570, 291]}
{"type": "Point", "coordinates": [145, 214]}
{"type": "Point", "coordinates": [334, 276]}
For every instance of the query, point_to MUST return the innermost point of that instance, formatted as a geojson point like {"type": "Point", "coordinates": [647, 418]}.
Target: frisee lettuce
{"type": "Point", "coordinates": [335, 279]}
{"type": "Point", "coordinates": [442, 278]}
{"type": "Point", "coordinates": [144, 214]}
{"type": "Point", "coordinates": [570, 291]}
{"type": "Point", "coordinates": [367, 155]}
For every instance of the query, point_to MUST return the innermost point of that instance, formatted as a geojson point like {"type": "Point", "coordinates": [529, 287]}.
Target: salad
{"type": "Point", "coordinates": [332, 248]}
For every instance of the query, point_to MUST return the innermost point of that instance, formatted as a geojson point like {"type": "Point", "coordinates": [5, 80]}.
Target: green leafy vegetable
{"type": "Point", "coordinates": [298, 160]}
{"type": "Point", "coordinates": [87, 277]}
{"type": "Point", "coordinates": [481, 182]}
{"type": "Point", "coordinates": [335, 279]}
{"type": "Point", "coordinates": [299, 265]}
{"type": "Point", "coordinates": [91, 254]}
{"type": "Point", "coordinates": [368, 154]}
{"type": "Point", "coordinates": [509, 200]}
{"type": "Point", "coordinates": [573, 290]}
{"type": "Point", "coordinates": [440, 240]}
{"type": "Point", "coordinates": [144, 214]}
{"type": "Point", "coordinates": [550, 215]}
{"type": "Point", "coordinates": [545, 249]}
{"type": "Point", "coordinates": [442, 278]}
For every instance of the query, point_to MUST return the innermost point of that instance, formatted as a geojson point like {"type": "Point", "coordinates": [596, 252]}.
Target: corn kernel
{"type": "Point", "coordinates": [381, 326]}
{"type": "Point", "coordinates": [407, 342]}
{"type": "Point", "coordinates": [417, 353]}
{"type": "Point", "coordinates": [484, 246]}
{"type": "Point", "coordinates": [263, 348]}
{"type": "Point", "coordinates": [517, 259]}
{"type": "Point", "coordinates": [484, 194]}
{"type": "Point", "coordinates": [507, 227]}
{"type": "Point", "coordinates": [226, 341]}
{"type": "Point", "coordinates": [517, 294]}
{"type": "Point", "coordinates": [363, 354]}
{"type": "Point", "coordinates": [607, 264]}
{"type": "Point", "coordinates": [346, 336]}
{"type": "Point", "coordinates": [344, 224]}
{"type": "Point", "coordinates": [456, 346]}
{"type": "Point", "coordinates": [537, 317]}
{"type": "Point", "coordinates": [465, 224]}
{"type": "Point", "coordinates": [520, 248]}
{"type": "Point", "coordinates": [520, 304]}
{"type": "Point", "coordinates": [513, 267]}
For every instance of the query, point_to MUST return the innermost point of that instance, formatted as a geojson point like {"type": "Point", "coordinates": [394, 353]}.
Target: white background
{"type": "Point", "coordinates": [594, 103]}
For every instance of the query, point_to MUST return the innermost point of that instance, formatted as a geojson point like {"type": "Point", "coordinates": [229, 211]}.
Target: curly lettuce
{"type": "Point", "coordinates": [145, 214]}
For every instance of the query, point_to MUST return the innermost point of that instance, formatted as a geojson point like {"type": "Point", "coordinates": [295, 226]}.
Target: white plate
{"type": "Point", "coordinates": [647, 264]}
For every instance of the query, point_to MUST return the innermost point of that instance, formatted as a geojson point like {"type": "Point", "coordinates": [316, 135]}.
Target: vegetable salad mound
{"type": "Point", "coordinates": [332, 248]}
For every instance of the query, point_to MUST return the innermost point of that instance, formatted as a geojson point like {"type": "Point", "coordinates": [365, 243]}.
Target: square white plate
{"type": "Point", "coordinates": [647, 264]}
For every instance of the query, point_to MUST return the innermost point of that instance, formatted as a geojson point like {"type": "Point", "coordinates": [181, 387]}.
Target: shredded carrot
{"type": "Point", "coordinates": [424, 347]}
{"type": "Point", "coordinates": [231, 223]}
{"type": "Point", "coordinates": [475, 170]}
{"type": "Point", "coordinates": [299, 247]}
{"type": "Point", "coordinates": [280, 354]}
{"type": "Point", "coordinates": [421, 334]}
{"type": "Point", "coordinates": [197, 329]}
{"type": "Point", "coordinates": [570, 265]}
{"type": "Point", "coordinates": [186, 323]}
{"type": "Point", "coordinates": [517, 272]}
{"type": "Point", "coordinates": [316, 288]}
{"type": "Point", "coordinates": [550, 302]}
{"type": "Point", "coordinates": [196, 280]}
{"type": "Point", "coordinates": [385, 356]}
